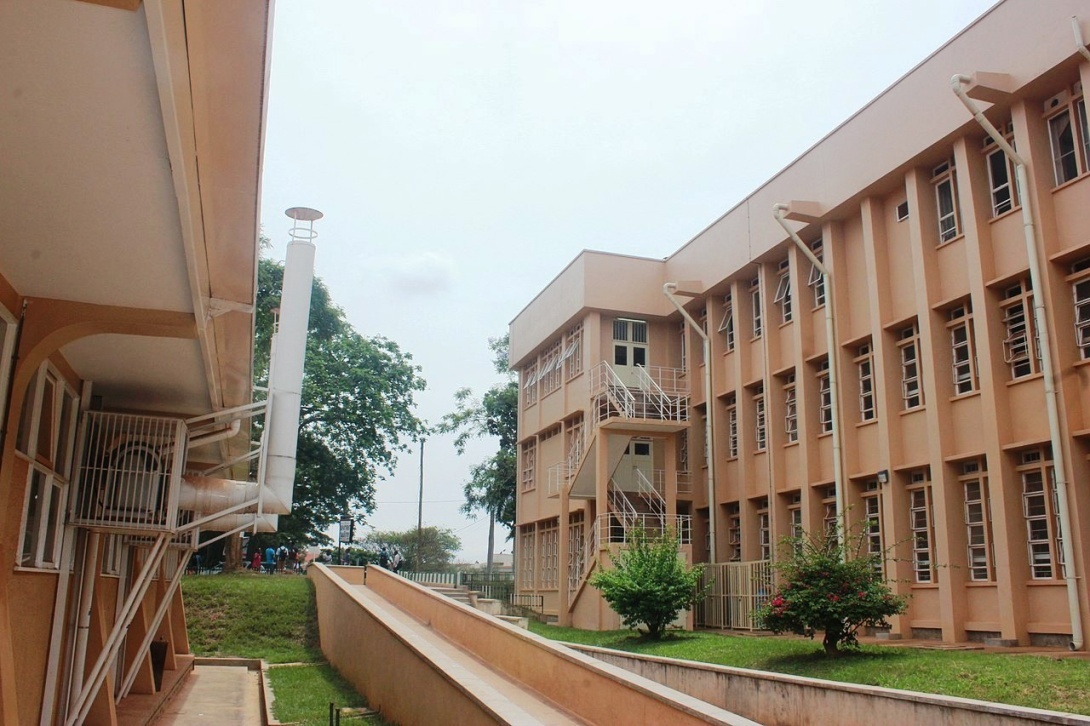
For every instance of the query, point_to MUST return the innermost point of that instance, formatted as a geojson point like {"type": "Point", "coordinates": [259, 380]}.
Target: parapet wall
{"type": "Point", "coordinates": [774, 698]}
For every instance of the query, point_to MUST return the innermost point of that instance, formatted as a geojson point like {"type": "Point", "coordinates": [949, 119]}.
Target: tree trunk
{"type": "Point", "coordinates": [491, 540]}
{"type": "Point", "coordinates": [232, 553]}
{"type": "Point", "coordinates": [829, 642]}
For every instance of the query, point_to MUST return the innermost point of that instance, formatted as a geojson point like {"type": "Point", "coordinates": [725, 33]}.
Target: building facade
{"type": "Point", "coordinates": [130, 149]}
{"type": "Point", "coordinates": [928, 425]}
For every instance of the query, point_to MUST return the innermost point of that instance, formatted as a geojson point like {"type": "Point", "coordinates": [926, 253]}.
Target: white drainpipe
{"type": "Point", "coordinates": [669, 290]}
{"type": "Point", "coordinates": [286, 367]}
{"type": "Point", "coordinates": [1059, 468]}
{"type": "Point", "coordinates": [778, 211]}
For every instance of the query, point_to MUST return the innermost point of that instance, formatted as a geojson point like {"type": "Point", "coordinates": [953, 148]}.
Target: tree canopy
{"type": "Point", "coordinates": [357, 410]}
{"type": "Point", "coordinates": [649, 583]}
{"type": "Point", "coordinates": [432, 549]}
{"type": "Point", "coordinates": [824, 590]}
{"type": "Point", "coordinates": [491, 486]}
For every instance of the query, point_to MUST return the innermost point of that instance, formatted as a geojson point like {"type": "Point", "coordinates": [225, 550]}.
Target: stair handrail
{"type": "Point", "coordinates": [654, 498]}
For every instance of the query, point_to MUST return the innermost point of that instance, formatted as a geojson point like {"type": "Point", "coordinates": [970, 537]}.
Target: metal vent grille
{"type": "Point", "coordinates": [130, 472]}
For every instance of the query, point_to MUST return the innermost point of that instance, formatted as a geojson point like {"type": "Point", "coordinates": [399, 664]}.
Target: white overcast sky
{"type": "Point", "coordinates": [464, 152]}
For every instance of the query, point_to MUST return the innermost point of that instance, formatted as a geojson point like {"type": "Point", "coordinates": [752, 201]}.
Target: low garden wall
{"type": "Point", "coordinates": [773, 698]}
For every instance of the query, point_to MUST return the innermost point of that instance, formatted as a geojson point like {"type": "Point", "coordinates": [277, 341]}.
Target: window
{"type": "Point", "coordinates": [902, 211]}
{"type": "Point", "coordinates": [734, 532]}
{"type": "Point", "coordinates": [816, 279]}
{"type": "Point", "coordinates": [703, 320]}
{"type": "Point", "coordinates": [549, 557]}
{"type": "Point", "coordinates": [46, 436]}
{"type": "Point", "coordinates": [1020, 348]}
{"type": "Point", "coordinates": [978, 520]}
{"type": "Point", "coordinates": [629, 342]}
{"type": "Point", "coordinates": [791, 413]}
{"type": "Point", "coordinates": [1067, 134]}
{"type": "Point", "coordinates": [909, 345]}
{"type": "Point", "coordinates": [529, 465]}
{"type": "Point", "coordinates": [683, 341]}
{"type": "Point", "coordinates": [921, 522]}
{"type": "Point", "coordinates": [962, 348]}
{"type": "Point", "coordinates": [7, 347]}
{"type": "Point", "coordinates": [825, 398]}
{"type": "Point", "coordinates": [526, 557]}
{"type": "Point", "coordinates": [1044, 540]}
{"type": "Point", "coordinates": [576, 443]}
{"type": "Point", "coordinates": [112, 554]}
{"type": "Point", "coordinates": [572, 358]}
{"type": "Point", "coordinates": [872, 527]}
{"type": "Point", "coordinates": [755, 297]}
{"type": "Point", "coordinates": [794, 515]}
{"type": "Point", "coordinates": [732, 426]}
{"type": "Point", "coordinates": [529, 385]}
{"type": "Point", "coordinates": [1080, 286]}
{"type": "Point", "coordinates": [551, 368]}
{"type": "Point", "coordinates": [830, 519]}
{"type": "Point", "coordinates": [946, 198]}
{"type": "Point", "coordinates": [783, 291]}
{"type": "Point", "coordinates": [726, 326]}
{"type": "Point", "coordinates": [764, 531]}
{"type": "Point", "coordinates": [864, 363]}
{"type": "Point", "coordinates": [761, 433]}
{"type": "Point", "coordinates": [1001, 174]}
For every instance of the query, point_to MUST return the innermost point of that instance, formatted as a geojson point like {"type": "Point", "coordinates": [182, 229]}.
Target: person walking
{"type": "Point", "coordinates": [395, 560]}
{"type": "Point", "coordinates": [255, 563]}
{"type": "Point", "coordinates": [383, 557]}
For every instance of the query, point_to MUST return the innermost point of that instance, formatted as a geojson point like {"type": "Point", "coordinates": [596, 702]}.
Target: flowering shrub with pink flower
{"type": "Point", "coordinates": [822, 590]}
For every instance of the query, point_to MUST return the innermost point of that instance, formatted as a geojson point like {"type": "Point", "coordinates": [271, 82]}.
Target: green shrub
{"type": "Point", "coordinates": [649, 583]}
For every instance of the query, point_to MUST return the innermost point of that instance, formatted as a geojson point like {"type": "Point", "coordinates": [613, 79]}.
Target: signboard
{"type": "Point", "coordinates": [346, 531]}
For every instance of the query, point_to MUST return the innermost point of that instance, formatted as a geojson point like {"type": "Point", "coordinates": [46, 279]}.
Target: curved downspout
{"type": "Point", "coordinates": [1059, 468]}
{"type": "Point", "coordinates": [709, 409]}
{"type": "Point", "coordinates": [1080, 45]}
{"type": "Point", "coordinates": [778, 211]}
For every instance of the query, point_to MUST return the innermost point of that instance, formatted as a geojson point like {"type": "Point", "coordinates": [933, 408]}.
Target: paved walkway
{"type": "Point", "coordinates": [216, 695]}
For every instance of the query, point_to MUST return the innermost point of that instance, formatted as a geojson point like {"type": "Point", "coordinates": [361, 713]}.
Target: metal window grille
{"type": "Point", "coordinates": [977, 523]}
{"type": "Point", "coordinates": [791, 413]}
{"type": "Point", "coordinates": [865, 365]}
{"type": "Point", "coordinates": [910, 368]}
{"type": "Point", "coordinates": [920, 522]}
{"type": "Point", "coordinates": [759, 429]}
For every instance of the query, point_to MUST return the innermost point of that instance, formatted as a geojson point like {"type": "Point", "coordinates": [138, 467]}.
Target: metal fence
{"type": "Point", "coordinates": [737, 590]}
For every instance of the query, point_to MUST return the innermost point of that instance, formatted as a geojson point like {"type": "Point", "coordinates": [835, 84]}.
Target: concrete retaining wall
{"type": "Point", "coordinates": [772, 698]}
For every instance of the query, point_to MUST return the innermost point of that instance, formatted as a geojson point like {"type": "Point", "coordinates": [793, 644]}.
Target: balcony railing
{"type": "Point", "coordinates": [656, 393]}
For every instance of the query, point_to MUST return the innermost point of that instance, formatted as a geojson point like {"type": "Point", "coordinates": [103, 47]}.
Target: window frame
{"type": "Point", "coordinates": [1021, 350]}
{"type": "Point", "coordinates": [864, 363]}
{"type": "Point", "coordinates": [1044, 555]}
{"type": "Point", "coordinates": [944, 177]}
{"type": "Point", "coordinates": [726, 325]}
{"type": "Point", "coordinates": [528, 466]}
{"type": "Point", "coordinates": [791, 411]}
{"type": "Point", "coordinates": [783, 293]}
{"type": "Point", "coordinates": [963, 365]}
{"type": "Point", "coordinates": [908, 348]}
{"type": "Point", "coordinates": [816, 280]}
{"type": "Point", "coordinates": [1008, 187]}
{"type": "Point", "coordinates": [1071, 105]}
{"type": "Point", "coordinates": [755, 311]}
{"type": "Point", "coordinates": [760, 420]}
{"type": "Point", "coordinates": [921, 523]}
{"type": "Point", "coordinates": [975, 473]}
{"type": "Point", "coordinates": [825, 398]}
{"type": "Point", "coordinates": [732, 426]}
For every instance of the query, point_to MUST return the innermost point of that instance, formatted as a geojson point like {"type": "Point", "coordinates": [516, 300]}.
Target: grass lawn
{"type": "Point", "coordinates": [1058, 684]}
{"type": "Point", "coordinates": [275, 618]}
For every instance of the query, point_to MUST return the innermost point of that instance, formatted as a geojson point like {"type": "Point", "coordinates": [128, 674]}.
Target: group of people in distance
{"type": "Point", "coordinates": [277, 559]}
{"type": "Point", "coordinates": [389, 560]}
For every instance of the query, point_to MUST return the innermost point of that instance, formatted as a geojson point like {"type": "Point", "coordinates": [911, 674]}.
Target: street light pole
{"type": "Point", "coordinates": [420, 512]}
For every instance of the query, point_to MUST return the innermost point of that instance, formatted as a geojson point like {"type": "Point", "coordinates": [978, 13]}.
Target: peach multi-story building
{"type": "Point", "coordinates": [130, 163]}
{"type": "Point", "coordinates": [951, 416]}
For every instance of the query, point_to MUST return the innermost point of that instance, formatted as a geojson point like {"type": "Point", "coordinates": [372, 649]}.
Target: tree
{"type": "Point", "coordinates": [357, 410]}
{"type": "Point", "coordinates": [824, 590]}
{"type": "Point", "coordinates": [491, 485]}
{"type": "Point", "coordinates": [649, 583]}
{"type": "Point", "coordinates": [433, 551]}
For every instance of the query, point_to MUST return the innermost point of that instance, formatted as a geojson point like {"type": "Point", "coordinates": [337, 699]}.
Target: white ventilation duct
{"type": "Point", "coordinates": [286, 364]}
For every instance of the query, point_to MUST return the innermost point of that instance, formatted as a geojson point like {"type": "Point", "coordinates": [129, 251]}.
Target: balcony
{"type": "Point", "coordinates": [652, 396]}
